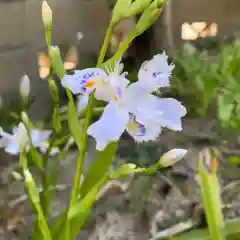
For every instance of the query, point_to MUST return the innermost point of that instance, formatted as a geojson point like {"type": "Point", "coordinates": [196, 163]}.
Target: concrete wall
{"type": "Point", "coordinates": [22, 36]}
{"type": "Point", "coordinates": [226, 13]}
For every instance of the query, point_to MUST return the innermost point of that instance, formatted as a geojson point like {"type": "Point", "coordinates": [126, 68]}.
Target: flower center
{"type": "Point", "coordinates": [90, 84]}
{"type": "Point", "coordinates": [136, 127]}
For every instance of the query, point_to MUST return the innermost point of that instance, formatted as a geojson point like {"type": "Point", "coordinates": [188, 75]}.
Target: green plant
{"type": "Point", "coordinates": [205, 82]}
{"type": "Point", "coordinates": [121, 110]}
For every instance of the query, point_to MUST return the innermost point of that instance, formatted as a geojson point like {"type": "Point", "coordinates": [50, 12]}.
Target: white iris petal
{"type": "Point", "coordinates": [13, 147]}
{"type": "Point", "coordinates": [110, 126]}
{"type": "Point", "coordinates": [143, 132]}
{"type": "Point", "coordinates": [82, 102]}
{"type": "Point", "coordinates": [78, 82]}
{"type": "Point", "coordinates": [39, 137]}
{"type": "Point", "coordinates": [156, 72]}
{"type": "Point", "coordinates": [12, 142]}
{"type": "Point", "coordinates": [173, 111]}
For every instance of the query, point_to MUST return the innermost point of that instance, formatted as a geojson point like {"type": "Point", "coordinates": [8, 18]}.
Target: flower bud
{"type": "Point", "coordinates": [25, 86]}
{"type": "Point", "coordinates": [24, 118]}
{"type": "Point", "coordinates": [120, 10]}
{"type": "Point", "coordinates": [46, 14]}
{"type": "Point", "coordinates": [172, 157]}
{"type": "Point", "coordinates": [138, 6]}
{"type": "Point", "coordinates": [31, 186]}
{"type": "Point", "coordinates": [57, 62]}
{"type": "Point", "coordinates": [149, 16]}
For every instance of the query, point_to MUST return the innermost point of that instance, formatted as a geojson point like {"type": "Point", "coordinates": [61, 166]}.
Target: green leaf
{"type": "Point", "coordinates": [74, 124]}
{"type": "Point", "coordinates": [34, 197]}
{"type": "Point", "coordinates": [224, 109]}
{"type": "Point", "coordinates": [99, 168]}
{"type": "Point", "coordinates": [124, 170]}
{"type": "Point", "coordinates": [210, 189]}
{"type": "Point", "coordinates": [80, 209]}
{"type": "Point", "coordinates": [77, 214]}
{"type": "Point", "coordinates": [58, 227]}
{"type": "Point", "coordinates": [57, 62]}
{"type": "Point", "coordinates": [232, 227]}
{"type": "Point", "coordinates": [233, 160]}
{"type": "Point", "coordinates": [56, 119]}
{"type": "Point", "coordinates": [36, 157]}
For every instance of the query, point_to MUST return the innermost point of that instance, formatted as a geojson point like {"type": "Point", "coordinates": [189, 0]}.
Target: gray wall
{"type": "Point", "coordinates": [22, 37]}
{"type": "Point", "coordinates": [226, 13]}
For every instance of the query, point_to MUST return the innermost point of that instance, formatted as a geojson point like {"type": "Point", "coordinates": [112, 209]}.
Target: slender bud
{"type": "Point", "coordinates": [57, 62]}
{"type": "Point", "coordinates": [149, 16]}
{"type": "Point", "coordinates": [119, 11]}
{"type": "Point", "coordinates": [25, 86]}
{"type": "Point", "coordinates": [46, 14]}
{"type": "Point", "coordinates": [31, 186]}
{"type": "Point", "coordinates": [172, 157]}
{"type": "Point", "coordinates": [24, 118]}
{"type": "Point", "coordinates": [138, 6]}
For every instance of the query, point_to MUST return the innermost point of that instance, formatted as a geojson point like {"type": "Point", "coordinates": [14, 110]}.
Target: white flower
{"type": "Point", "coordinates": [87, 80]}
{"type": "Point", "coordinates": [110, 126]}
{"type": "Point", "coordinates": [25, 86]}
{"type": "Point", "coordinates": [142, 132]}
{"type": "Point", "coordinates": [166, 112]}
{"type": "Point", "coordinates": [172, 156]}
{"type": "Point", "coordinates": [137, 111]}
{"type": "Point", "coordinates": [12, 143]}
{"type": "Point", "coordinates": [156, 72]}
{"type": "Point", "coordinates": [44, 148]}
{"type": "Point", "coordinates": [131, 107]}
{"type": "Point", "coordinates": [119, 115]}
{"type": "Point", "coordinates": [38, 137]}
{"type": "Point", "coordinates": [82, 102]}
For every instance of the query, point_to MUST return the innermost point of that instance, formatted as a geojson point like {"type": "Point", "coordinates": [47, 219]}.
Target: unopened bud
{"type": "Point", "coordinates": [24, 117]}
{"type": "Point", "coordinates": [172, 157]}
{"type": "Point", "coordinates": [46, 14]}
{"type": "Point", "coordinates": [138, 6]}
{"type": "Point", "coordinates": [25, 86]}
{"type": "Point", "coordinates": [148, 17]}
{"type": "Point", "coordinates": [27, 175]}
{"type": "Point", "coordinates": [57, 62]}
{"type": "Point", "coordinates": [31, 186]}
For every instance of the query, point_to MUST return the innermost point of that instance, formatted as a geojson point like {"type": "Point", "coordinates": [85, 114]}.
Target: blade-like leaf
{"type": "Point", "coordinates": [99, 168]}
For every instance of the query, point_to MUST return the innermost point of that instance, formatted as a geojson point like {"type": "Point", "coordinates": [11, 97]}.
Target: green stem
{"type": "Point", "coordinates": [122, 49]}
{"type": "Point", "coordinates": [104, 48]}
{"type": "Point", "coordinates": [88, 117]}
{"type": "Point", "coordinates": [87, 121]}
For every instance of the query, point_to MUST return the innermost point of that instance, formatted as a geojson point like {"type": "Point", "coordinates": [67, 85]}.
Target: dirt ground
{"type": "Point", "coordinates": [140, 207]}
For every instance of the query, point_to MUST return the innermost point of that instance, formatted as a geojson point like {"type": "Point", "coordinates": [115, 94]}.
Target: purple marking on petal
{"type": "Point", "coordinates": [141, 129]}
{"type": "Point", "coordinates": [87, 76]}
{"type": "Point", "coordinates": [156, 74]}
{"type": "Point", "coordinates": [119, 92]}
